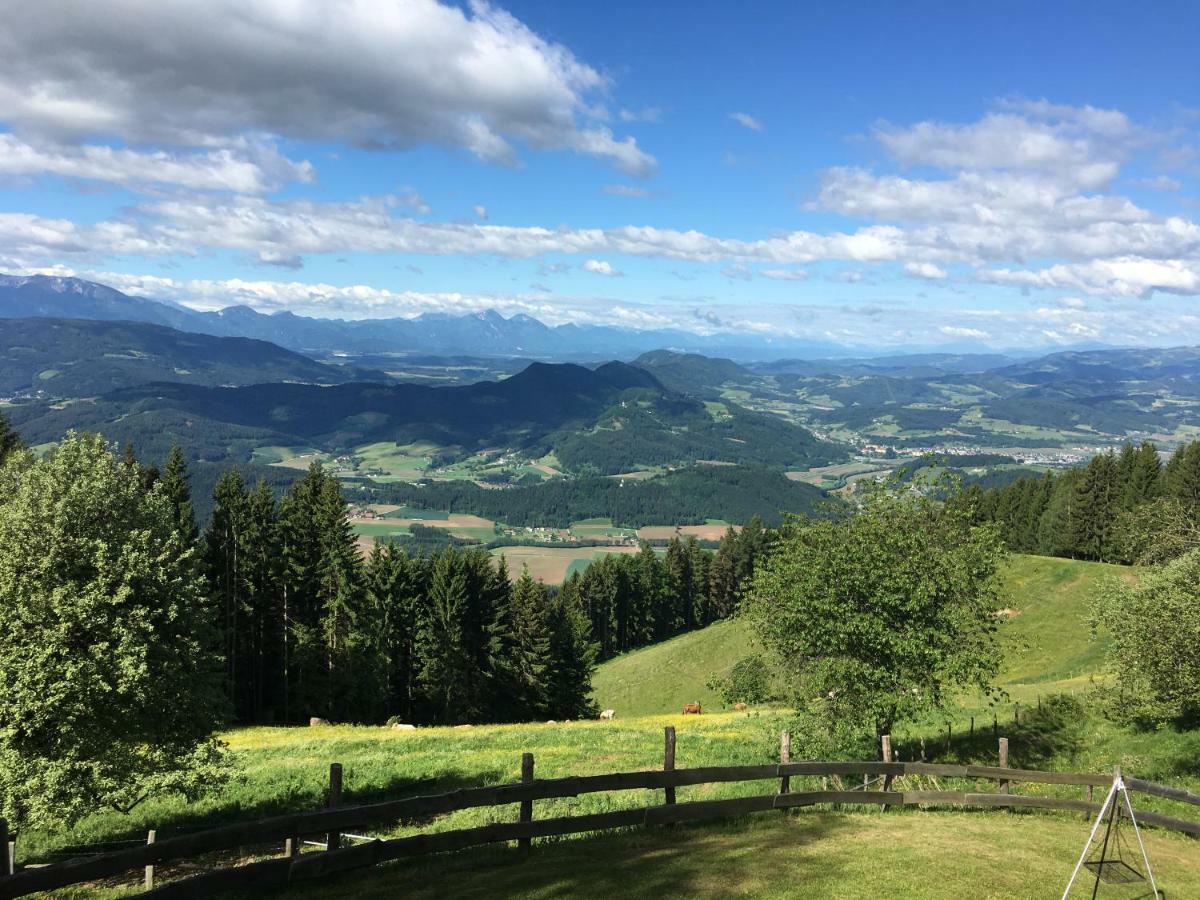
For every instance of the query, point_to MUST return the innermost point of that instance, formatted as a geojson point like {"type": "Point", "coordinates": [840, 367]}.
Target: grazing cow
{"type": "Point", "coordinates": [608, 714]}
{"type": "Point", "coordinates": [739, 707]}
{"type": "Point", "coordinates": [691, 709]}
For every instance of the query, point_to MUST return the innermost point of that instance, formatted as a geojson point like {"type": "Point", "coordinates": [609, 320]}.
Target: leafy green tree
{"type": "Point", "coordinates": [1155, 629]}
{"type": "Point", "coordinates": [876, 615]}
{"type": "Point", "coordinates": [749, 681]}
{"type": "Point", "coordinates": [10, 441]}
{"type": "Point", "coordinates": [111, 679]}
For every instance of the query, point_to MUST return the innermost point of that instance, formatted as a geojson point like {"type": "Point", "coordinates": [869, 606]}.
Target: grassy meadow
{"type": "Point", "coordinates": [911, 853]}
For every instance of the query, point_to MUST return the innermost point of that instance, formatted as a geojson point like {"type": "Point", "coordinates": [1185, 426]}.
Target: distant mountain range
{"type": "Point", "coordinates": [64, 358]}
{"type": "Point", "coordinates": [485, 334]}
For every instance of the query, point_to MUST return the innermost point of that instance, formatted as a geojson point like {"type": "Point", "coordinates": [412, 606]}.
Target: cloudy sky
{"type": "Point", "coordinates": [891, 175]}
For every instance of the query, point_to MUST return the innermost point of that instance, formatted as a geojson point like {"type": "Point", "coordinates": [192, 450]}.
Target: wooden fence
{"type": "Point", "coordinates": [334, 820]}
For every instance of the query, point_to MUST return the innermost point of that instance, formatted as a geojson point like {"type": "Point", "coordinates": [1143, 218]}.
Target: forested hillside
{"type": "Point", "coordinates": [688, 496]}
{"type": "Point", "coordinates": [1117, 508]}
{"type": "Point", "coordinates": [65, 358]}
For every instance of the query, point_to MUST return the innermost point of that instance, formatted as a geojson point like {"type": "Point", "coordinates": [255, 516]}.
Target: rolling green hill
{"type": "Point", "coordinates": [1047, 644]}
{"type": "Point", "coordinates": [63, 358]}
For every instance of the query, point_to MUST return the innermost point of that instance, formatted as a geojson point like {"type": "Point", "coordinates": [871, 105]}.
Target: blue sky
{"type": "Point", "coordinates": [888, 176]}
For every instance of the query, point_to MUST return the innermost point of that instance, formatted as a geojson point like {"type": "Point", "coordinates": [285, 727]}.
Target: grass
{"type": "Point", "coordinates": [1048, 647]}
{"type": "Point", "coordinates": [822, 853]}
{"type": "Point", "coordinates": [662, 677]}
{"type": "Point", "coordinates": [843, 856]}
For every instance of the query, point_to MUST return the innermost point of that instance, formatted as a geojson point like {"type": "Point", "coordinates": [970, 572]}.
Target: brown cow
{"type": "Point", "coordinates": [739, 707]}
{"type": "Point", "coordinates": [691, 709]}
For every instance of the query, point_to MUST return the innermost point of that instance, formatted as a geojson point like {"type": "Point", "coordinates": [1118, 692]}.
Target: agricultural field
{"type": "Point", "coordinates": [829, 478]}
{"type": "Point", "coordinates": [714, 530]}
{"type": "Point", "coordinates": [554, 565]}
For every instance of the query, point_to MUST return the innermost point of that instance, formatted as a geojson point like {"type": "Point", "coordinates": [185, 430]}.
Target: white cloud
{"type": "Point", "coordinates": [783, 274]}
{"type": "Point", "coordinates": [1122, 277]}
{"type": "Point", "coordinates": [958, 331]}
{"type": "Point", "coordinates": [1081, 144]}
{"type": "Point", "coordinates": [245, 167]}
{"type": "Point", "coordinates": [925, 270]}
{"type": "Point", "coordinates": [599, 267]}
{"type": "Point", "coordinates": [1161, 183]}
{"type": "Point", "coordinates": [480, 212]}
{"type": "Point", "coordinates": [746, 121]}
{"type": "Point", "coordinates": [650, 114]}
{"type": "Point", "coordinates": [625, 190]}
{"type": "Point", "coordinates": [382, 75]}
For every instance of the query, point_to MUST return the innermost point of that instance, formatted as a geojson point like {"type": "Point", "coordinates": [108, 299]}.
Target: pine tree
{"type": "Point", "coordinates": [572, 657]}
{"type": "Point", "coordinates": [396, 585]}
{"type": "Point", "coordinates": [224, 566]}
{"type": "Point", "coordinates": [260, 563]}
{"type": "Point", "coordinates": [300, 607]}
{"type": "Point", "coordinates": [441, 642]}
{"type": "Point", "coordinates": [176, 484]}
{"type": "Point", "coordinates": [722, 578]}
{"type": "Point", "coordinates": [1142, 480]}
{"type": "Point", "coordinates": [525, 648]}
{"type": "Point", "coordinates": [1182, 474]}
{"type": "Point", "coordinates": [344, 634]}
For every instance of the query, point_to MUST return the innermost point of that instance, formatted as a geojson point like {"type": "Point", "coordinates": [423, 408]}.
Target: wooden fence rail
{"type": "Point", "coordinates": [335, 820]}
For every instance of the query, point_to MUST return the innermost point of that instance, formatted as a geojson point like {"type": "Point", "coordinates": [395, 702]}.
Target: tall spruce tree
{"type": "Point", "coordinates": [571, 657]}
{"type": "Point", "coordinates": [176, 484]}
{"type": "Point", "coordinates": [224, 566]}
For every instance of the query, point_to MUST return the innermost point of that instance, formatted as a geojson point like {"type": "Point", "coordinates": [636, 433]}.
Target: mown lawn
{"type": "Point", "coordinates": [846, 856]}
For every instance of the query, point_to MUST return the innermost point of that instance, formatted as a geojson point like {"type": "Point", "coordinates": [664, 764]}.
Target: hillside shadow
{"type": "Point", "coordinates": [652, 862]}
{"type": "Point", "coordinates": [1055, 731]}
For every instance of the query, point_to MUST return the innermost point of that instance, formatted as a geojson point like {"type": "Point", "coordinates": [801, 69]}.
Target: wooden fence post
{"type": "Point", "coordinates": [972, 729]}
{"type": "Point", "coordinates": [333, 840]}
{"type": "Point", "coordinates": [1004, 764]}
{"type": "Point", "coordinates": [150, 838]}
{"type": "Point", "coordinates": [885, 746]}
{"type": "Point", "coordinates": [669, 761]}
{"type": "Point", "coordinates": [995, 727]}
{"type": "Point", "coordinates": [1090, 799]}
{"type": "Point", "coordinates": [785, 756]}
{"type": "Point", "coordinates": [948, 738]}
{"type": "Point", "coordinates": [526, 805]}
{"type": "Point", "coordinates": [291, 847]}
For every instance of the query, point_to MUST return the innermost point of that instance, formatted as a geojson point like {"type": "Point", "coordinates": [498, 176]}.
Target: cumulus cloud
{"type": "Point", "coordinates": [480, 212]}
{"type": "Point", "coordinates": [388, 75]}
{"type": "Point", "coordinates": [599, 267]}
{"type": "Point", "coordinates": [925, 270]}
{"type": "Point", "coordinates": [1128, 276]}
{"type": "Point", "coordinates": [1081, 144]}
{"type": "Point", "coordinates": [746, 121]}
{"type": "Point", "coordinates": [246, 167]}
